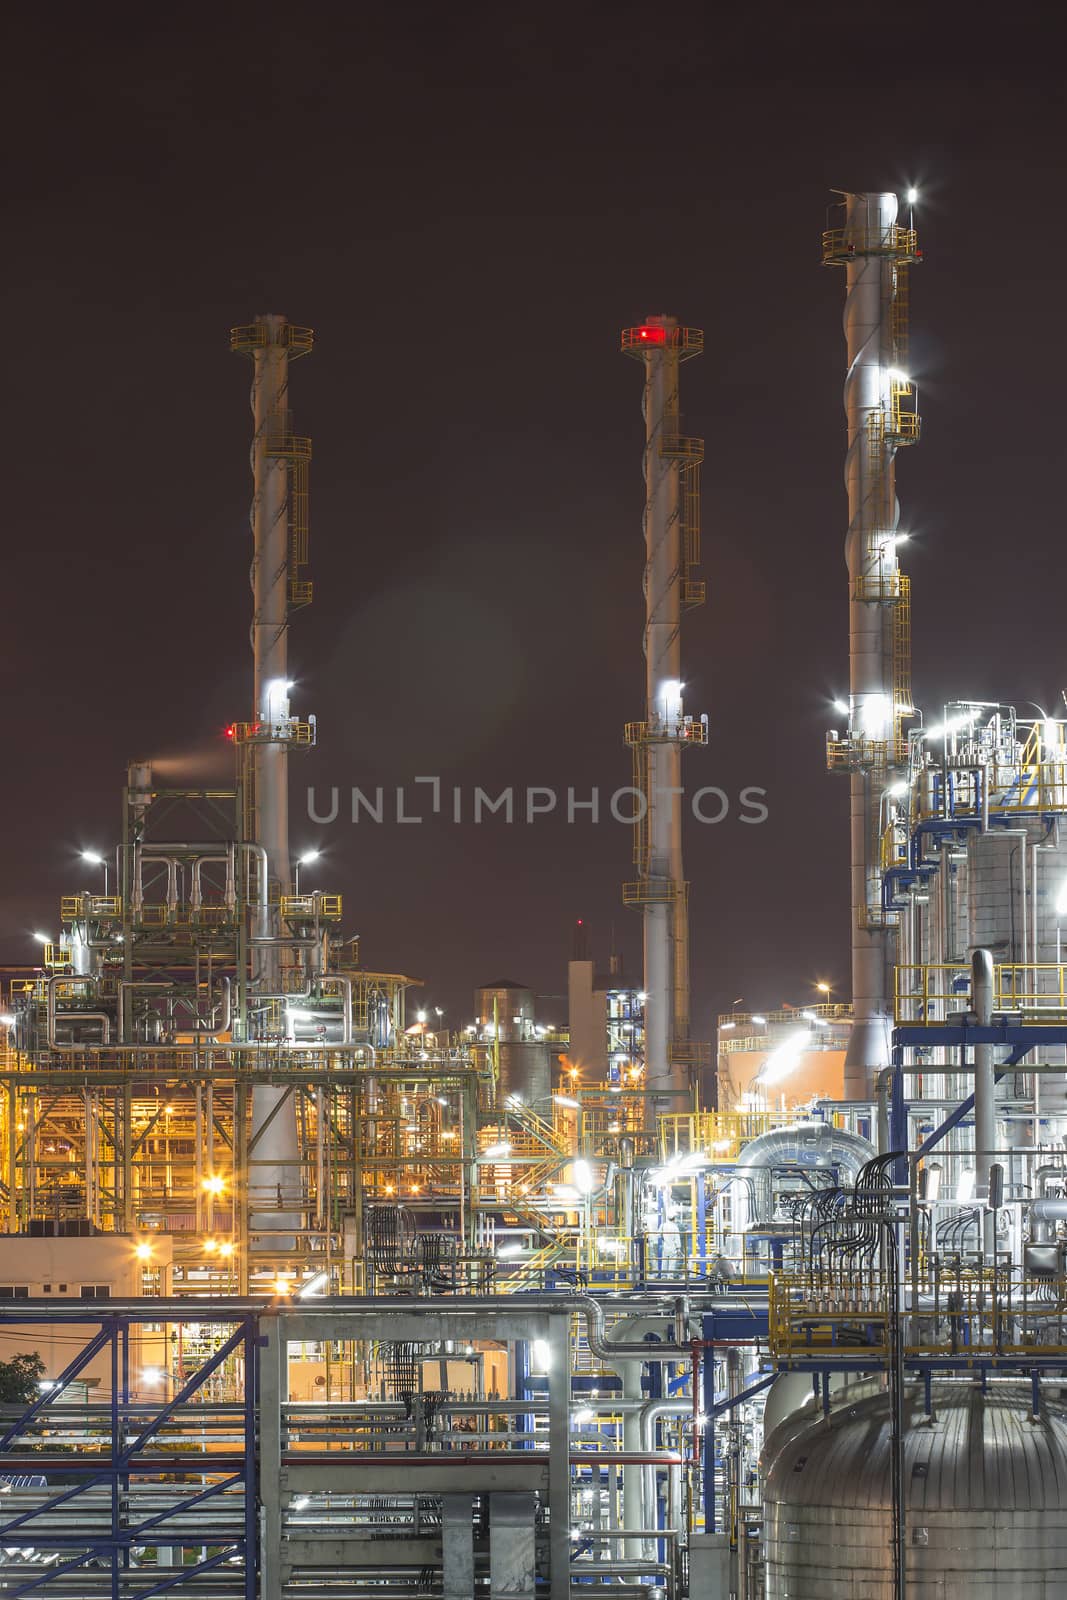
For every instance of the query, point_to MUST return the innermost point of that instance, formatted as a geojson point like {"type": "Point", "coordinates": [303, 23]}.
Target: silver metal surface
{"type": "Point", "coordinates": [986, 1494]}
{"type": "Point", "coordinates": [457, 1535]}
{"type": "Point", "coordinates": [512, 1548]}
{"type": "Point", "coordinates": [810, 1145]}
{"type": "Point", "coordinates": [873, 514]}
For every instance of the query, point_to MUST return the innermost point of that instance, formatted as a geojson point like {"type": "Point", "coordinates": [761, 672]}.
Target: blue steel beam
{"type": "Point", "coordinates": [69, 1373]}
{"type": "Point", "coordinates": [722, 1406]}
{"type": "Point", "coordinates": [124, 1460]}
{"type": "Point", "coordinates": [232, 1549]}
{"type": "Point", "coordinates": [187, 1391]}
{"type": "Point", "coordinates": [962, 1032]}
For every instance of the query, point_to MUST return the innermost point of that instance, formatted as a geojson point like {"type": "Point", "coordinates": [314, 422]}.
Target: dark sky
{"type": "Point", "coordinates": [467, 203]}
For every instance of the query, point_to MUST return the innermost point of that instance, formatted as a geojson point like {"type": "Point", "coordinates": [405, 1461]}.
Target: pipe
{"type": "Point", "coordinates": [230, 889]}
{"type": "Point", "coordinates": [606, 1349]}
{"type": "Point", "coordinates": [174, 850]}
{"type": "Point", "coordinates": [882, 1088]}
{"type": "Point", "coordinates": [649, 1416]}
{"type": "Point", "coordinates": [1050, 1210]}
{"type": "Point", "coordinates": [228, 1308]}
{"type": "Point", "coordinates": [52, 1017]}
{"type": "Point", "coordinates": [985, 1127]}
{"type": "Point", "coordinates": [1023, 836]}
{"type": "Point", "coordinates": [335, 980]}
{"type": "Point", "coordinates": [811, 1145]}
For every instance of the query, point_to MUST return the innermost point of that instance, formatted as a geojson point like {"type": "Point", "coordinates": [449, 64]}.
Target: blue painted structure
{"type": "Point", "coordinates": [124, 1457]}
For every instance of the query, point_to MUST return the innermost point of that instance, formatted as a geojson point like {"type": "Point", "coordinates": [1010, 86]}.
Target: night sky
{"type": "Point", "coordinates": [467, 203]}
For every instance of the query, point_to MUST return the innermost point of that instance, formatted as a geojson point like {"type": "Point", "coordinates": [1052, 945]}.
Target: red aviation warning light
{"type": "Point", "coordinates": [647, 336]}
{"type": "Point", "coordinates": [661, 333]}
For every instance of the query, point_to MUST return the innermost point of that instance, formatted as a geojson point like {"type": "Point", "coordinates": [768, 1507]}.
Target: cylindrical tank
{"type": "Point", "coordinates": [524, 1071]}
{"type": "Point", "coordinates": [525, 1068]}
{"type": "Point", "coordinates": [984, 1485]}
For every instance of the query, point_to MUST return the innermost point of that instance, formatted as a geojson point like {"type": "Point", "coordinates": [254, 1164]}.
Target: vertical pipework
{"type": "Point", "coordinates": [671, 527]}
{"type": "Point", "coordinates": [985, 1125]}
{"type": "Point", "coordinates": [278, 519]}
{"type": "Point", "coordinates": [270, 602]}
{"type": "Point", "coordinates": [876, 253]}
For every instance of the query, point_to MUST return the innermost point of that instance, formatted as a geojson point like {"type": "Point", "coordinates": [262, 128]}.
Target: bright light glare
{"type": "Point", "coordinates": [93, 857]}
{"type": "Point", "coordinates": [43, 938]}
{"type": "Point", "coordinates": [875, 715]}
{"type": "Point", "coordinates": [540, 1356]}
{"type": "Point", "coordinates": [1061, 899]}
{"type": "Point", "coordinates": [565, 1100]}
{"type": "Point", "coordinates": [143, 1251]}
{"type": "Point", "coordinates": [152, 1375]}
{"type": "Point", "coordinates": [761, 1022]}
{"type": "Point", "coordinates": [953, 725]}
{"type": "Point", "coordinates": [214, 1185]}
{"type": "Point", "coordinates": [841, 707]}
{"type": "Point", "coordinates": [583, 1414]}
{"type": "Point", "coordinates": [275, 691]}
{"type": "Point", "coordinates": [671, 698]}
{"type": "Point", "coordinates": [314, 1285]}
{"type": "Point", "coordinates": [7, 1020]}
{"type": "Point", "coordinates": [583, 1177]}
{"type": "Point", "coordinates": [912, 196]}
{"type": "Point", "coordinates": [782, 1061]}
{"type": "Point", "coordinates": [965, 1187]}
{"type": "Point", "coordinates": [508, 1252]}
{"type": "Point", "coordinates": [496, 1151]}
{"type": "Point", "coordinates": [308, 857]}
{"type": "Point", "coordinates": [897, 789]}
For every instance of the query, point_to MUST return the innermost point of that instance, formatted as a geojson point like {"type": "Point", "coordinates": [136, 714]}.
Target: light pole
{"type": "Point", "coordinates": [95, 859]}
{"type": "Point", "coordinates": [303, 861]}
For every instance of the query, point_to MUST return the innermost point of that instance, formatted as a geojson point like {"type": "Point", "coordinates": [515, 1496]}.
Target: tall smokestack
{"type": "Point", "coordinates": [875, 251]}
{"type": "Point", "coordinates": [279, 549]}
{"type": "Point", "coordinates": [672, 534]}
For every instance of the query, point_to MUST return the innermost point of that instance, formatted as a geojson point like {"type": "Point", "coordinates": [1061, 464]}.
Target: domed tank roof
{"type": "Point", "coordinates": [979, 1451]}
{"type": "Point", "coordinates": [985, 1497]}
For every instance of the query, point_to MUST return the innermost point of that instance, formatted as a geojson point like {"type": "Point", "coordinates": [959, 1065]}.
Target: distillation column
{"type": "Point", "coordinates": [671, 524]}
{"type": "Point", "coordinates": [876, 253]}
{"type": "Point", "coordinates": [278, 519]}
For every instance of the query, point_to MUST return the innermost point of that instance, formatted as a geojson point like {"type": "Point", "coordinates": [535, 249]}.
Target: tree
{"type": "Point", "coordinates": [20, 1379]}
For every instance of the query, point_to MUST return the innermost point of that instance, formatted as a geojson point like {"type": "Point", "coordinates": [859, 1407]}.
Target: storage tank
{"type": "Point", "coordinates": [524, 1058]}
{"type": "Point", "coordinates": [985, 1493]}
